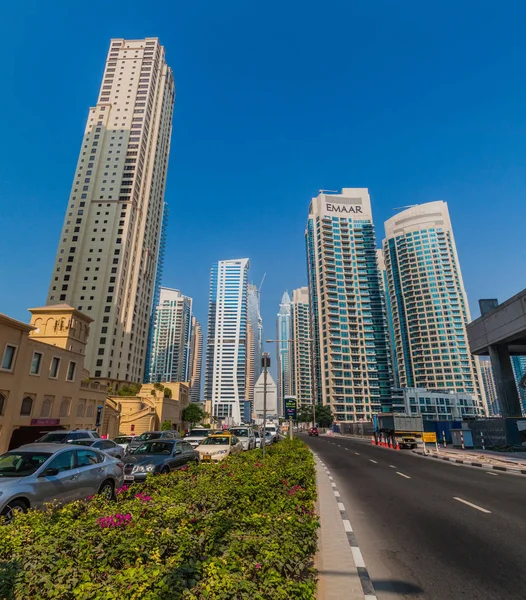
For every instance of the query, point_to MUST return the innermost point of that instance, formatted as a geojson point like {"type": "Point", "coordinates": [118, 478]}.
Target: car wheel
{"type": "Point", "coordinates": [165, 470]}
{"type": "Point", "coordinates": [16, 506]}
{"type": "Point", "coordinates": [106, 490]}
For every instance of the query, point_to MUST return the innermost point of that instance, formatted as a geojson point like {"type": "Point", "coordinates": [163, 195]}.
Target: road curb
{"type": "Point", "coordinates": [471, 464]}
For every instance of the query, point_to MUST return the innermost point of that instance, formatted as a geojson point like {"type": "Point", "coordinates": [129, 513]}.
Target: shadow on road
{"type": "Point", "coordinates": [396, 586]}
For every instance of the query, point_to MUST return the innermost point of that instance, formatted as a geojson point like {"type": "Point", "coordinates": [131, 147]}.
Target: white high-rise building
{"type": "Point", "coordinates": [172, 330]}
{"type": "Point", "coordinates": [196, 361]}
{"type": "Point", "coordinates": [490, 389]}
{"type": "Point", "coordinates": [301, 347]}
{"type": "Point", "coordinates": [108, 252]}
{"type": "Point", "coordinates": [226, 348]}
{"type": "Point", "coordinates": [428, 303]}
{"type": "Point", "coordinates": [254, 343]}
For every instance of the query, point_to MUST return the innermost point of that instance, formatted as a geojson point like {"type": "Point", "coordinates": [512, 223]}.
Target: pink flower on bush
{"type": "Point", "coordinates": [258, 566]}
{"type": "Point", "coordinates": [112, 521]}
{"type": "Point", "coordinates": [122, 489]}
{"type": "Point", "coordinates": [294, 489]}
{"type": "Point", "coordinates": [143, 497]}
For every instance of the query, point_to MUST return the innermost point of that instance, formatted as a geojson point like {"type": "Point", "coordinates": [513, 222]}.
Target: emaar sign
{"type": "Point", "coordinates": [342, 208]}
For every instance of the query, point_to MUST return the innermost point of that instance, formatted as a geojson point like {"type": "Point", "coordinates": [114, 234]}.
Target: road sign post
{"type": "Point", "coordinates": [431, 437]}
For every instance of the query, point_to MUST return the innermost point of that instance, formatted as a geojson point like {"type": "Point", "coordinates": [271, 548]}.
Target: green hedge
{"type": "Point", "coordinates": [243, 528]}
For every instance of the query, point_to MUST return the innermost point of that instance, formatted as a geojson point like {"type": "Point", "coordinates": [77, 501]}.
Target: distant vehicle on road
{"type": "Point", "coordinates": [108, 446]}
{"type": "Point", "coordinates": [313, 431]}
{"type": "Point", "coordinates": [219, 446]}
{"type": "Point", "coordinates": [197, 435]}
{"type": "Point", "coordinates": [407, 442]}
{"type": "Point", "coordinates": [37, 473]}
{"type": "Point", "coordinates": [273, 430]}
{"type": "Point", "coordinates": [245, 435]}
{"type": "Point", "coordinates": [158, 456]}
{"type": "Point", "coordinates": [153, 435]}
{"type": "Point", "coordinates": [65, 437]}
{"type": "Point", "coordinates": [123, 441]}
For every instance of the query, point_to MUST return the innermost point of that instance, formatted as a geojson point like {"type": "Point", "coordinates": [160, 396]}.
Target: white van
{"type": "Point", "coordinates": [273, 430]}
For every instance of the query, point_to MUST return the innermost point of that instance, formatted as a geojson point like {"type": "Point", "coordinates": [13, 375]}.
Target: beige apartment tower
{"type": "Point", "coordinates": [196, 360]}
{"type": "Point", "coordinates": [109, 247]}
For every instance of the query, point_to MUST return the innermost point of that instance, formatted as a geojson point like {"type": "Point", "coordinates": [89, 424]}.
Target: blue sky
{"type": "Point", "coordinates": [276, 100]}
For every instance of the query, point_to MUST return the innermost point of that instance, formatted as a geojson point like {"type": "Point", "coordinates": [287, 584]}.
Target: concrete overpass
{"type": "Point", "coordinates": [499, 333]}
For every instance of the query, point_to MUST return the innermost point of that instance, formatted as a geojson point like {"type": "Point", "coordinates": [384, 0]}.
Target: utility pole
{"type": "Point", "coordinates": [265, 363]}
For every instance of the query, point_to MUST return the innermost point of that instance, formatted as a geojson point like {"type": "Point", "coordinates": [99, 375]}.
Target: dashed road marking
{"type": "Point", "coordinates": [403, 475]}
{"type": "Point", "coordinates": [392, 466]}
{"type": "Point", "coordinates": [373, 461]}
{"type": "Point", "coordinates": [358, 558]}
{"type": "Point", "coordinates": [491, 473]}
{"type": "Point", "coordinates": [475, 506]}
{"type": "Point", "coordinates": [357, 453]}
{"type": "Point", "coordinates": [341, 506]}
{"type": "Point", "coordinates": [333, 484]}
{"type": "Point", "coordinates": [337, 494]}
{"type": "Point", "coordinates": [347, 525]}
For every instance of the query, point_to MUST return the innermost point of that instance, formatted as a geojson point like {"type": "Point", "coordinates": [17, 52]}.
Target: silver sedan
{"type": "Point", "coordinates": [38, 473]}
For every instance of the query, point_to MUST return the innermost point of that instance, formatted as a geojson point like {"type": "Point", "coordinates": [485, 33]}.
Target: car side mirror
{"type": "Point", "coordinates": [49, 472]}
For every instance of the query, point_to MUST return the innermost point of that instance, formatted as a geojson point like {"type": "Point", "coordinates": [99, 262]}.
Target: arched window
{"type": "Point", "coordinates": [89, 412]}
{"type": "Point", "coordinates": [2, 404]}
{"type": "Point", "coordinates": [46, 408]}
{"type": "Point", "coordinates": [27, 405]}
{"type": "Point", "coordinates": [64, 408]}
{"type": "Point", "coordinates": [80, 410]}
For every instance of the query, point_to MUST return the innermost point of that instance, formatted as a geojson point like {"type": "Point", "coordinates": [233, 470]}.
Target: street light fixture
{"type": "Point", "coordinates": [309, 341]}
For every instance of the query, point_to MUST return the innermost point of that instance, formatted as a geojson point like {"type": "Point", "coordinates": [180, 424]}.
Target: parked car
{"type": "Point", "coordinates": [123, 441]}
{"type": "Point", "coordinates": [37, 473]}
{"type": "Point", "coordinates": [313, 431]}
{"type": "Point", "coordinates": [152, 435]}
{"type": "Point", "coordinates": [257, 439]}
{"type": "Point", "coordinates": [273, 429]}
{"type": "Point", "coordinates": [157, 456]}
{"type": "Point", "coordinates": [218, 447]}
{"type": "Point", "coordinates": [108, 446]}
{"type": "Point", "coordinates": [196, 436]}
{"type": "Point", "coordinates": [65, 437]}
{"type": "Point", "coordinates": [245, 435]}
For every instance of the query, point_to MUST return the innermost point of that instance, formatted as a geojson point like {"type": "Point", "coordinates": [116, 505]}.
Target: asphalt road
{"type": "Point", "coordinates": [418, 536]}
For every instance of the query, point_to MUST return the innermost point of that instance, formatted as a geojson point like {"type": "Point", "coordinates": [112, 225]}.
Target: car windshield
{"type": "Point", "coordinates": [122, 440]}
{"type": "Point", "coordinates": [239, 432]}
{"type": "Point", "coordinates": [155, 448]}
{"type": "Point", "coordinates": [83, 442]}
{"type": "Point", "coordinates": [149, 436]}
{"type": "Point", "coordinates": [217, 441]}
{"type": "Point", "coordinates": [21, 464]}
{"type": "Point", "coordinates": [52, 438]}
{"type": "Point", "coordinates": [199, 433]}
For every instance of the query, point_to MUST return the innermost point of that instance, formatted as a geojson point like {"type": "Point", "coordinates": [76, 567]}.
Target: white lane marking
{"type": "Point", "coordinates": [402, 475]}
{"type": "Point", "coordinates": [370, 597]}
{"type": "Point", "coordinates": [337, 494]}
{"type": "Point", "coordinates": [392, 466]}
{"type": "Point", "coordinates": [357, 453]}
{"type": "Point", "coordinates": [333, 484]}
{"type": "Point", "coordinates": [472, 505]}
{"type": "Point", "coordinates": [339, 446]}
{"type": "Point", "coordinates": [330, 477]}
{"type": "Point", "coordinates": [328, 472]}
{"type": "Point", "coordinates": [358, 558]}
{"type": "Point", "coordinates": [373, 461]}
{"type": "Point", "coordinates": [491, 473]}
{"type": "Point", "coordinates": [341, 506]}
{"type": "Point", "coordinates": [347, 525]}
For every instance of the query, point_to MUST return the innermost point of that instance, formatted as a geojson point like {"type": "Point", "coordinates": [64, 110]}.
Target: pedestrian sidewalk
{"type": "Point", "coordinates": [478, 458]}
{"type": "Point", "coordinates": [341, 571]}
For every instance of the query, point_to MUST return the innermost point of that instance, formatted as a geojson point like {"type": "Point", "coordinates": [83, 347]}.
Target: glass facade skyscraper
{"type": "Point", "coordinates": [226, 348]}
{"type": "Point", "coordinates": [283, 351]}
{"type": "Point", "coordinates": [428, 302]}
{"type": "Point", "coordinates": [301, 372]}
{"type": "Point", "coordinates": [350, 345]}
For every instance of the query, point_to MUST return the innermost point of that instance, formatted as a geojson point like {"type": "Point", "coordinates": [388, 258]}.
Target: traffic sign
{"type": "Point", "coordinates": [290, 408]}
{"type": "Point", "coordinates": [429, 436]}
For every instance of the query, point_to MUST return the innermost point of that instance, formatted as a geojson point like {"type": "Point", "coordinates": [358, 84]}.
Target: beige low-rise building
{"type": "Point", "coordinates": [147, 410]}
{"type": "Point", "coordinates": [43, 382]}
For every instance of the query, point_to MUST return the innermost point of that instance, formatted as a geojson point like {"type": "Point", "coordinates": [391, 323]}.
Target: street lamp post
{"type": "Point", "coordinates": [265, 363]}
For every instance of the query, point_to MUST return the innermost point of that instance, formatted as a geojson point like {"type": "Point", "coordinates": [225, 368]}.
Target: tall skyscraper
{"type": "Point", "coordinates": [253, 344]}
{"type": "Point", "coordinates": [490, 389]}
{"type": "Point", "coordinates": [226, 347]}
{"type": "Point", "coordinates": [429, 306]}
{"type": "Point", "coordinates": [350, 353]}
{"type": "Point", "coordinates": [196, 361]}
{"type": "Point", "coordinates": [170, 355]}
{"type": "Point", "coordinates": [283, 336]}
{"type": "Point", "coordinates": [301, 372]}
{"type": "Point", "coordinates": [518, 364]}
{"type": "Point", "coordinates": [108, 253]}
{"type": "Point", "coordinates": [380, 259]}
